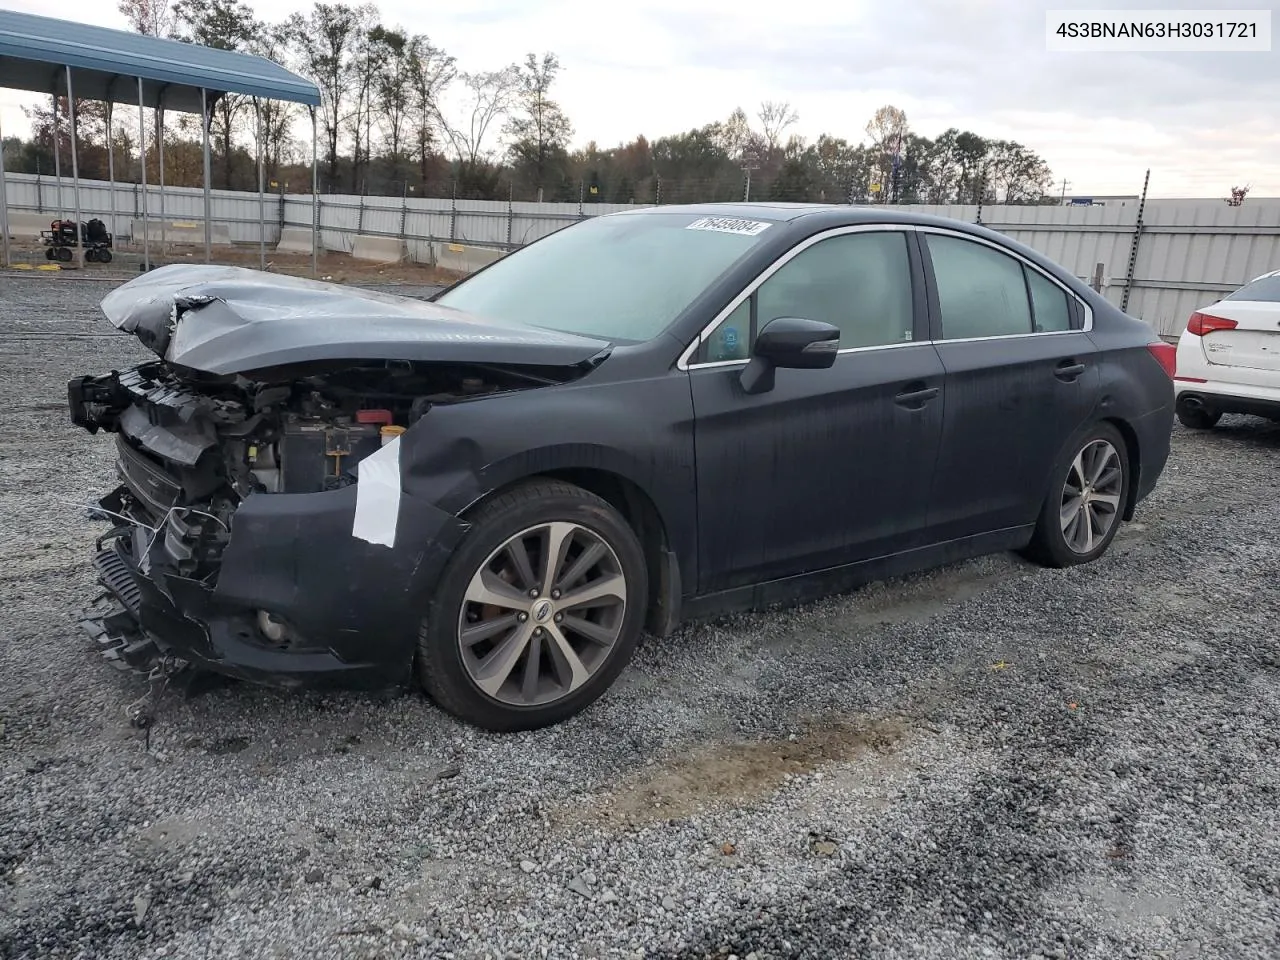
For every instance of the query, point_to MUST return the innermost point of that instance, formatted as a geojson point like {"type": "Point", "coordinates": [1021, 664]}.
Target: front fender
{"type": "Point", "coordinates": [640, 430]}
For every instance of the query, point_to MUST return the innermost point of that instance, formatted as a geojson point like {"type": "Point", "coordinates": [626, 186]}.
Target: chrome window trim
{"type": "Point", "coordinates": [683, 363]}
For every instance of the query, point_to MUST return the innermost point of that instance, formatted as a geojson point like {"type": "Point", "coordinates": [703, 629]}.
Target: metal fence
{"type": "Point", "coordinates": [1160, 259]}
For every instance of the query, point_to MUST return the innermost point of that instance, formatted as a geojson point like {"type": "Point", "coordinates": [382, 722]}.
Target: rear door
{"type": "Point", "coordinates": [1249, 353]}
{"type": "Point", "coordinates": [830, 466]}
{"type": "Point", "coordinates": [1021, 378]}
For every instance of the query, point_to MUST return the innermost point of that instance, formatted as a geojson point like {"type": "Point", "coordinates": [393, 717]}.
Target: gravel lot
{"type": "Point", "coordinates": [991, 760]}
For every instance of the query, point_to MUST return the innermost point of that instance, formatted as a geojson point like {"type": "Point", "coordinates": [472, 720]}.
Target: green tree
{"type": "Point", "coordinates": [393, 94]}
{"type": "Point", "coordinates": [540, 132]}
{"type": "Point", "coordinates": [430, 72]}
{"type": "Point", "coordinates": [794, 182]}
{"type": "Point", "coordinates": [224, 25]}
{"type": "Point", "coordinates": [1016, 174]}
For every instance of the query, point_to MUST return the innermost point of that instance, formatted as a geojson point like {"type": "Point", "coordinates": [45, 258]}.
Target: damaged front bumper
{"type": "Point", "coordinates": [297, 601]}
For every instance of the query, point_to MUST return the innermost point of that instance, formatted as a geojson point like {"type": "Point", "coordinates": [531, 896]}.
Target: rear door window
{"type": "Point", "coordinates": [981, 291]}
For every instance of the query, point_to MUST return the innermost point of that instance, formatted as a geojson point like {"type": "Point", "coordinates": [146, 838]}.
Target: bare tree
{"type": "Point", "coordinates": [324, 41]}
{"type": "Point", "coordinates": [733, 135]}
{"type": "Point", "coordinates": [775, 119]}
{"type": "Point", "coordinates": [431, 71]}
{"type": "Point", "coordinates": [487, 98]}
{"type": "Point", "coordinates": [154, 18]}
{"type": "Point", "coordinates": [887, 130]}
{"type": "Point", "coordinates": [277, 116]}
{"type": "Point", "coordinates": [362, 85]}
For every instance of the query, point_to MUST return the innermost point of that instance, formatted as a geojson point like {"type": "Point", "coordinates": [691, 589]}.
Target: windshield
{"type": "Point", "coordinates": [1264, 290]}
{"type": "Point", "coordinates": [621, 277]}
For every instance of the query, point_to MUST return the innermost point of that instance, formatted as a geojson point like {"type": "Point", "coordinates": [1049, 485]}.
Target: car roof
{"type": "Point", "coordinates": [742, 210]}
{"type": "Point", "coordinates": [833, 213]}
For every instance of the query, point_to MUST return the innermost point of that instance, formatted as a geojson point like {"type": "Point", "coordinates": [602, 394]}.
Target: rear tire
{"type": "Point", "coordinates": [1198, 419]}
{"type": "Point", "coordinates": [537, 612]}
{"type": "Point", "coordinates": [1084, 505]}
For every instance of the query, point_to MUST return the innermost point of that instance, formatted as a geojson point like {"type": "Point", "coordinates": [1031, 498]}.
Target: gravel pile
{"type": "Point", "coordinates": [990, 760]}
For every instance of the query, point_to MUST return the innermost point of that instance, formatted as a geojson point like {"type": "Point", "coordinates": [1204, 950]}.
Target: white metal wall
{"type": "Point", "coordinates": [1190, 253]}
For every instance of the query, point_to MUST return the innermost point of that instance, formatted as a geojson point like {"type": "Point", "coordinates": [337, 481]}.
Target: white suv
{"type": "Point", "coordinates": [1229, 356]}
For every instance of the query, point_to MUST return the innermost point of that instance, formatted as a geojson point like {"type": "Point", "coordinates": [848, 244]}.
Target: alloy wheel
{"type": "Point", "coordinates": [542, 614]}
{"type": "Point", "coordinates": [1091, 496]}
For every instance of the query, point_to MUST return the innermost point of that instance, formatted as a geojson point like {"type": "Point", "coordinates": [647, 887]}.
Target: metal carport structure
{"type": "Point", "coordinates": [76, 60]}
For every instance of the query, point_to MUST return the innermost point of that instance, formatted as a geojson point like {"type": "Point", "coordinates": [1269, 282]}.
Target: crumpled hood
{"type": "Point", "coordinates": [226, 320]}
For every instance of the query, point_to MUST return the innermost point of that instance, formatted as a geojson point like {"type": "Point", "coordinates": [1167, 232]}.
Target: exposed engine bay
{"type": "Point", "coordinates": [193, 446]}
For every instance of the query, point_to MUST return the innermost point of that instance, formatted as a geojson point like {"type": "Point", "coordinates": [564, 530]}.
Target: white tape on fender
{"type": "Point", "coordinates": [378, 496]}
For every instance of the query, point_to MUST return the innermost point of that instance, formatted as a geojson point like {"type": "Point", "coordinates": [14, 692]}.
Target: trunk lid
{"type": "Point", "coordinates": [1252, 348]}
{"type": "Point", "coordinates": [229, 320]}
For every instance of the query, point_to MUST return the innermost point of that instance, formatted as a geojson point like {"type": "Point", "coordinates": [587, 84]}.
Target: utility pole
{"type": "Point", "coordinates": [746, 192]}
{"type": "Point", "coordinates": [1065, 183]}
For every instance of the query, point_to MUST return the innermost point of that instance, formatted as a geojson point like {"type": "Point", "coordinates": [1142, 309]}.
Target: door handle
{"type": "Point", "coordinates": [915, 399]}
{"type": "Point", "coordinates": [1068, 371]}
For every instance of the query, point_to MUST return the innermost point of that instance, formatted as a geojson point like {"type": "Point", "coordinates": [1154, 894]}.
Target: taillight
{"type": "Point", "coordinates": [1203, 324]}
{"type": "Point", "coordinates": [1166, 355]}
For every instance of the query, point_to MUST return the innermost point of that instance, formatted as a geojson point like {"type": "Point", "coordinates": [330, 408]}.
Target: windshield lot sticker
{"type": "Point", "coordinates": [748, 228]}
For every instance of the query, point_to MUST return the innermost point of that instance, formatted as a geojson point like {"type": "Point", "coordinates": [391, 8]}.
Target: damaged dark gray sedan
{"type": "Point", "coordinates": [644, 418]}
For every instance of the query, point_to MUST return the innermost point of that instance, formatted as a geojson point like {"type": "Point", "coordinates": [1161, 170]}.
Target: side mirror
{"type": "Point", "coordinates": [791, 343]}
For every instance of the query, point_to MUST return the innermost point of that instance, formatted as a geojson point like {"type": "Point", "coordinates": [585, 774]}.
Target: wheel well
{"type": "Point", "coordinates": [638, 509]}
{"type": "Point", "coordinates": [1135, 463]}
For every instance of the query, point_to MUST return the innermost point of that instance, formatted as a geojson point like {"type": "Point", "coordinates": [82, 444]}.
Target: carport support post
{"type": "Point", "coordinates": [262, 189]}
{"type": "Point", "coordinates": [208, 202]}
{"type": "Point", "coordinates": [315, 196]}
{"type": "Point", "coordinates": [57, 156]}
{"type": "Point", "coordinates": [75, 171]}
{"type": "Point", "coordinates": [142, 154]}
{"type": "Point", "coordinates": [4, 207]}
{"type": "Point", "coordinates": [164, 233]}
{"type": "Point", "coordinates": [111, 165]}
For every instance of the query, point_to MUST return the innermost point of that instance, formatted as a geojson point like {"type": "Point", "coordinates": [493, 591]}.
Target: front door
{"type": "Point", "coordinates": [830, 466]}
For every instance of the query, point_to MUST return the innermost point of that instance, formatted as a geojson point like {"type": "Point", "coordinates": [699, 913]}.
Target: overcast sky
{"type": "Point", "coordinates": [1201, 122]}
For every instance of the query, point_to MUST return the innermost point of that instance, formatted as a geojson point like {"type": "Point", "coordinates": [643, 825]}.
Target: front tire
{"type": "Point", "coordinates": [537, 612]}
{"type": "Point", "coordinates": [1082, 511]}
